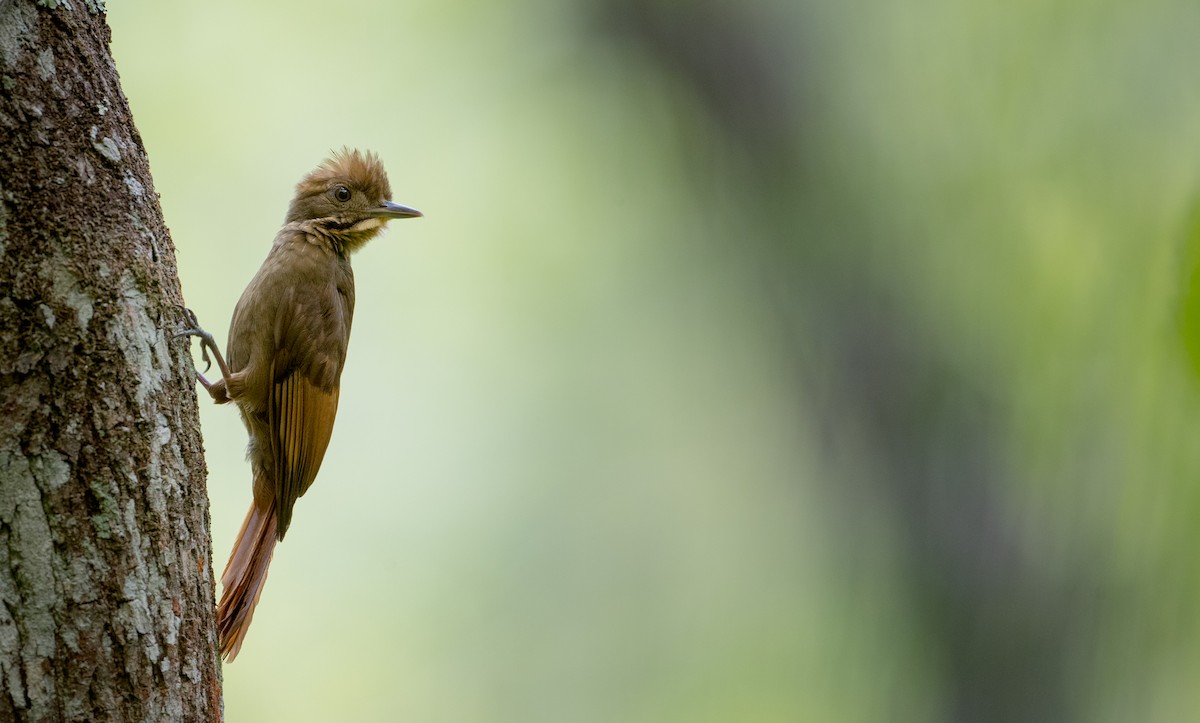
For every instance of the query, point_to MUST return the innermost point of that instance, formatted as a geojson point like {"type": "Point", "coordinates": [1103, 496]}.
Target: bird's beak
{"type": "Point", "coordinates": [394, 210]}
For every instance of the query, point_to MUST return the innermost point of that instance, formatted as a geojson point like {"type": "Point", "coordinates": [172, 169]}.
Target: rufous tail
{"type": "Point", "coordinates": [243, 579]}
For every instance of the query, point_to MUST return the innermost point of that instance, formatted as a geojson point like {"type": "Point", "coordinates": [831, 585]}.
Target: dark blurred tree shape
{"type": "Point", "coordinates": [1001, 634]}
{"type": "Point", "coordinates": [1189, 301]}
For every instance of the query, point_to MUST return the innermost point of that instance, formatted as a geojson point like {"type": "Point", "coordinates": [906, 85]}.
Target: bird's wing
{"type": "Point", "coordinates": [300, 415]}
{"type": "Point", "coordinates": [312, 332]}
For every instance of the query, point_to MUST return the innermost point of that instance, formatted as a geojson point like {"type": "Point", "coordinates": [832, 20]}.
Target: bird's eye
{"type": "Point", "coordinates": [342, 194]}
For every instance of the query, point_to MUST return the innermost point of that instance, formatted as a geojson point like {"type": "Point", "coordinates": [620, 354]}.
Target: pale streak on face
{"type": "Point", "coordinates": [367, 224]}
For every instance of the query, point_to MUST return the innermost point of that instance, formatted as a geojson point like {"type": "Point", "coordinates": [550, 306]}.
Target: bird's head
{"type": "Point", "coordinates": [347, 198]}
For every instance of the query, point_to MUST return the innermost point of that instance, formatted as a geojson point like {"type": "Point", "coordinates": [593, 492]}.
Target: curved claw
{"type": "Point", "coordinates": [204, 356]}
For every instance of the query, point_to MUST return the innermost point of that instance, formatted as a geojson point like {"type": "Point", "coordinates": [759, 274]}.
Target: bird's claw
{"type": "Point", "coordinates": [194, 329]}
{"type": "Point", "coordinates": [204, 356]}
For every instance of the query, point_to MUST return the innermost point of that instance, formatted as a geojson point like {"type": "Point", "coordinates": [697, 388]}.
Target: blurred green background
{"type": "Point", "coordinates": [773, 361]}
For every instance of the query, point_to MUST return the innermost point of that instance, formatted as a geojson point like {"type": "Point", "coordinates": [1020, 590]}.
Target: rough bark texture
{"type": "Point", "coordinates": [105, 564]}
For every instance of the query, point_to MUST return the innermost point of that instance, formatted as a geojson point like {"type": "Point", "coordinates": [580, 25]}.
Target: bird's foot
{"type": "Point", "coordinates": [194, 329]}
{"type": "Point", "coordinates": [207, 344]}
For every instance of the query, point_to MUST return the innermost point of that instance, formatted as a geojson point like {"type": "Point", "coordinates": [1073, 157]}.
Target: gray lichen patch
{"type": "Point", "coordinates": [135, 594]}
{"type": "Point", "coordinates": [107, 147]}
{"type": "Point", "coordinates": [10, 646]}
{"type": "Point", "coordinates": [51, 470]}
{"type": "Point", "coordinates": [25, 536]}
{"type": "Point", "coordinates": [69, 292]}
{"type": "Point", "coordinates": [136, 334]}
{"type": "Point", "coordinates": [15, 26]}
{"type": "Point", "coordinates": [156, 500]}
{"type": "Point", "coordinates": [48, 315]}
{"type": "Point", "coordinates": [133, 184]}
{"type": "Point", "coordinates": [160, 438]}
{"type": "Point", "coordinates": [174, 620]}
{"type": "Point", "coordinates": [45, 64]}
{"type": "Point", "coordinates": [144, 583]}
{"type": "Point", "coordinates": [86, 171]}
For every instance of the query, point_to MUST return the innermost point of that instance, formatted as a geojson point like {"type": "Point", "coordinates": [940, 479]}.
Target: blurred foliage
{"type": "Point", "coordinates": [766, 362]}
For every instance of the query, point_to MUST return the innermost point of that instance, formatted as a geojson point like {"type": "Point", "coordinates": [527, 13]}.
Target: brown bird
{"type": "Point", "coordinates": [287, 346]}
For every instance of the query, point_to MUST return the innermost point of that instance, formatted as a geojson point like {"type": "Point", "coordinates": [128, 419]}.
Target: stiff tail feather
{"type": "Point", "coordinates": [243, 579]}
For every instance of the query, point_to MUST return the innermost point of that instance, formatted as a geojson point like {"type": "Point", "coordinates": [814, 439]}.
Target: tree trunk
{"type": "Point", "coordinates": [105, 564]}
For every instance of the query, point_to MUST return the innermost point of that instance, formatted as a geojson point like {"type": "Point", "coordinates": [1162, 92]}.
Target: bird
{"type": "Point", "coordinates": [285, 353]}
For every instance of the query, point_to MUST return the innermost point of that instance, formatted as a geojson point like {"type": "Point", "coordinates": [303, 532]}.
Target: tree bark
{"type": "Point", "coordinates": [105, 563]}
